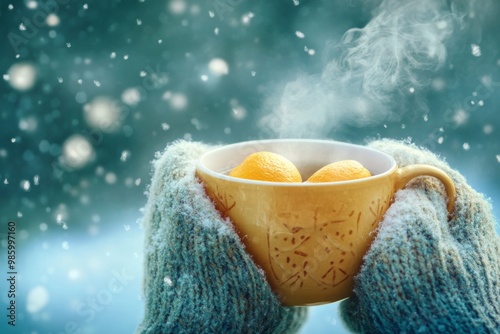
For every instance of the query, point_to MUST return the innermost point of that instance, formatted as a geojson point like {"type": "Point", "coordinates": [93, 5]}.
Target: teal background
{"type": "Point", "coordinates": [78, 227]}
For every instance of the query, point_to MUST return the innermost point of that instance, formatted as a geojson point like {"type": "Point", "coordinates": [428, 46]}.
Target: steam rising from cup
{"type": "Point", "coordinates": [371, 69]}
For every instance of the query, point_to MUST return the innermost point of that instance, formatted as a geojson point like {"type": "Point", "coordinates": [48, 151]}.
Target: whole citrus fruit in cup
{"type": "Point", "coordinates": [343, 170]}
{"type": "Point", "coordinates": [267, 166]}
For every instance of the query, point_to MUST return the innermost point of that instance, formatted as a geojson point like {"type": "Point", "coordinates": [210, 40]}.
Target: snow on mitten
{"type": "Point", "coordinates": [424, 273]}
{"type": "Point", "coordinates": [198, 278]}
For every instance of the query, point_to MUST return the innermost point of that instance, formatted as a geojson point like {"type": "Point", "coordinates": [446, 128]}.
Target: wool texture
{"type": "Point", "coordinates": [424, 273]}
{"type": "Point", "coordinates": [198, 277]}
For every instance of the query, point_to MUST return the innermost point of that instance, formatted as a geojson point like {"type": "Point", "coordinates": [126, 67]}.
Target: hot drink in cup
{"type": "Point", "coordinates": [309, 238]}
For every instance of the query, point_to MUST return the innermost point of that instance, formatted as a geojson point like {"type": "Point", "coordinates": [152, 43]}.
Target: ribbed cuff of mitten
{"type": "Point", "coordinates": [197, 276]}
{"type": "Point", "coordinates": [423, 273]}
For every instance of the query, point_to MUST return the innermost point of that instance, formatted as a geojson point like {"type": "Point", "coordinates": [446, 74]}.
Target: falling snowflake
{"type": "Point", "coordinates": [26, 185]}
{"type": "Point", "coordinates": [246, 18]}
{"type": "Point", "coordinates": [22, 76]}
{"type": "Point", "coordinates": [218, 67]}
{"type": "Point", "coordinates": [311, 52]}
{"type": "Point", "coordinates": [488, 129]}
{"type": "Point", "coordinates": [476, 50]}
{"type": "Point", "coordinates": [177, 7]}
{"type": "Point", "coordinates": [125, 155]}
{"type": "Point", "coordinates": [37, 299]}
{"type": "Point", "coordinates": [74, 274]}
{"type": "Point", "coordinates": [53, 20]}
{"type": "Point", "coordinates": [110, 178]}
{"type": "Point", "coordinates": [131, 96]}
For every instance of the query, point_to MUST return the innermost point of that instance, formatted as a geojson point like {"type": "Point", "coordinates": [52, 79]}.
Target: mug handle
{"type": "Point", "coordinates": [405, 174]}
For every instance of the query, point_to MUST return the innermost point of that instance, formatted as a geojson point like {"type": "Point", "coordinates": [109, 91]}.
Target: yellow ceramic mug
{"type": "Point", "coordinates": [309, 239]}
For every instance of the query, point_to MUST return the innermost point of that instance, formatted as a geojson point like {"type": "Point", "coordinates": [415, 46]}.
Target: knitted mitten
{"type": "Point", "coordinates": [423, 273]}
{"type": "Point", "coordinates": [197, 276]}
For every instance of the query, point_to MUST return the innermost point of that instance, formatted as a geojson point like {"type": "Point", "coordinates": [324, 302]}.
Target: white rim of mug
{"type": "Point", "coordinates": [200, 166]}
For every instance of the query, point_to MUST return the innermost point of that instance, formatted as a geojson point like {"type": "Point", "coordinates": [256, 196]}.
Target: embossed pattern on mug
{"type": "Point", "coordinates": [323, 263]}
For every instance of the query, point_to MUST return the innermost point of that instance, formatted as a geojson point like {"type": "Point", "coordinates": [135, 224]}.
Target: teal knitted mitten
{"type": "Point", "coordinates": [197, 276]}
{"type": "Point", "coordinates": [423, 273]}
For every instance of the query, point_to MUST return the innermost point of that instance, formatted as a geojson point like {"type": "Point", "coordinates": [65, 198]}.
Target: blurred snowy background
{"type": "Point", "coordinates": [92, 89]}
